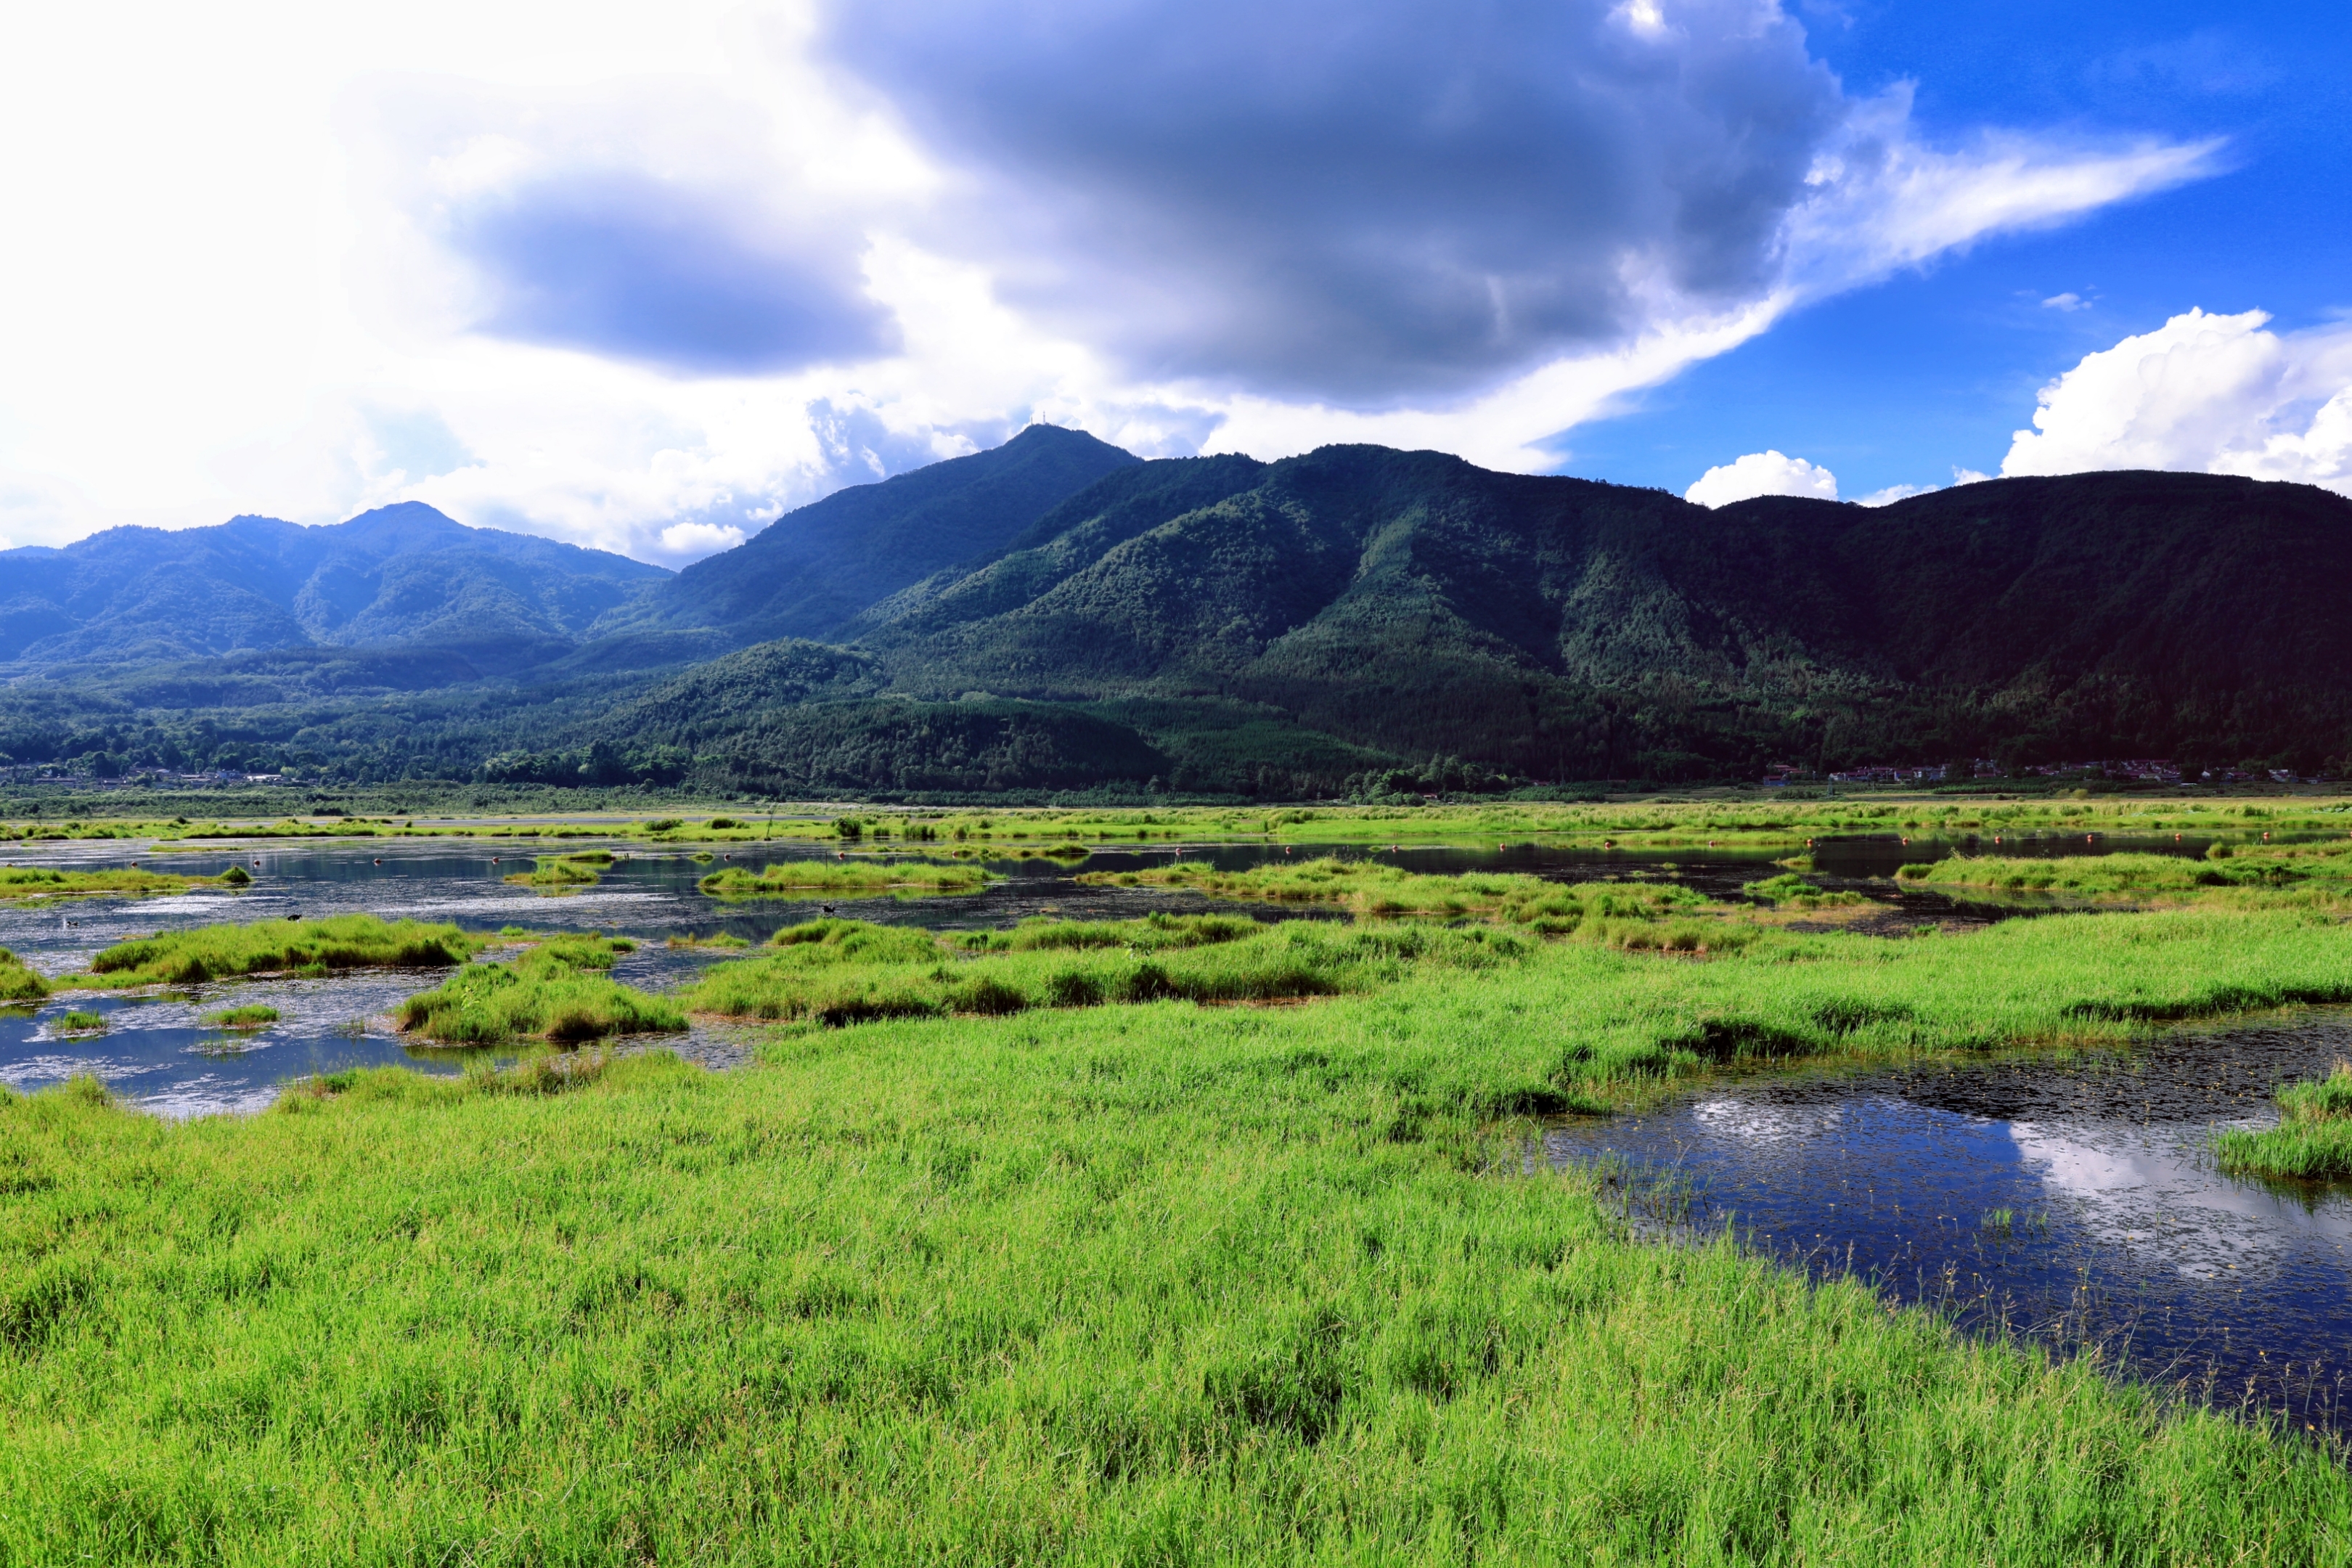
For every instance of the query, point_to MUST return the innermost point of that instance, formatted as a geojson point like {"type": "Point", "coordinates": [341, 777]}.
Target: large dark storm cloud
{"type": "Point", "coordinates": [1359, 200]}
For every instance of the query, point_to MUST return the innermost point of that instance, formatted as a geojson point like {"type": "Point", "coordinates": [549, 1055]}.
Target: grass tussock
{"type": "Point", "coordinates": [38, 882]}
{"type": "Point", "coordinates": [19, 982]}
{"type": "Point", "coordinates": [75, 1021]}
{"type": "Point", "coordinates": [2312, 1141]}
{"type": "Point", "coordinates": [251, 1015]}
{"type": "Point", "coordinates": [2326, 868]}
{"type": "Point", "coordinates": [845, 878]}
{"type": "Point", "coordinates": [841, 972]}
{"type": "Point", "coordinates": [1791, 891]}
{"type": "Point", "coordinates": [310, 948]}
{"type": "Point", "coordinates": [725, 939]}
{"type": "Point", "coordinates": [1158, 1284]}
{"type": "Point", "coordinates": [555, 991]}
{"type": "Point", "coordinates": [1637, 915]}
{"type": "Point", "coordinates": [561, 873]}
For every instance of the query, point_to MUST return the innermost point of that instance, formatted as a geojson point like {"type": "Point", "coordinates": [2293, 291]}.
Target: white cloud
{"type": "Point", "coordinates": [304, 261]}
{"type": "Point", "coordinates": [692, 540]}
{"type": "Point", "coordinates": [1762, 474]}
{"type": "Point", "coordinates": [2067, 301]}
{"type": "Point", "coordinates": [2203, 392]}
{"type": "Point", "coordinates": [1892, 494]}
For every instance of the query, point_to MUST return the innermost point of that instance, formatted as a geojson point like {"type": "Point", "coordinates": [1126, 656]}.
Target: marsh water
{"type": "Point", "coordinates": [155, 1052]}
{"type": "Point", "coordinates": [2071, 1200]}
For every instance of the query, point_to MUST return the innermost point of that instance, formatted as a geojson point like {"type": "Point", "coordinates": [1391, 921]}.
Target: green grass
{"type": "Point", "coordinates": [2128, 876]}
{"type": "Point", "coordinates": [560, 873]}
{"type": "Point", "coordinates": [302, 947]}
{"type": "Point", "coordinates": [845, 878]}
{"type": "Point", "coordinates": [250, 1016]}
{"type": "Point", "coordinates": [19, 980]}
{"type": "Point", "coordinates": [552, 992]}
{"type": "Point", "coordinates": [1621, 914]}
{"type": "Point", "coordinates": [838, 972]}
{"type": "Point", "coordinates": [1791, 891]}
{"type": "Point", "coordinates": [717, 939]}
{"type": "Point", "coordinates": [1154, 1284]}
{"type": "Point", "coordinates": [1615, 1023]}
{"type": "Point", "coordinates": [78, 1022]}
{"type": "Point", "coordinates": [2312, 1141]}
{"type": "Point", "coordinates": [35, 883]}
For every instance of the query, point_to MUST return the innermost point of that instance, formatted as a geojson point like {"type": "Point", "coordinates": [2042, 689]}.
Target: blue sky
{"type": "Point", "coordinates": [645, 278]}
{"type": "Point", "coordinates": [1899, 382]}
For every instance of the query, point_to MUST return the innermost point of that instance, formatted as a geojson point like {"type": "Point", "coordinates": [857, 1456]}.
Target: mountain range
{"type": "Point", "coordinates": [1057, 613]}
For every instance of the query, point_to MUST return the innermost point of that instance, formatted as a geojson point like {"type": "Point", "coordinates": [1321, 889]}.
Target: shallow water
{"type": "Point", "coordinates": [2072, 1201]}
{"type": "Point", "coordinates": [156, 1054]}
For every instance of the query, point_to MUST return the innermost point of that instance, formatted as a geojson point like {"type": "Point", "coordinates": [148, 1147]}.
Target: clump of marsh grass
{"type": "Point", "coordinates": [563, 873]}
{"type": "Point", "coordinates": [869, 879]}
{"type": "Point", "coordinates": [19, 980]}
{"type": "Point", "coordinates": [78, 1022]}
{"type": "Point", "coordinates": [1789, 890]}
{"type": "Point", "coordinates": [251, 1015]}
{"type": "Point", "coordinates": [40, 882]}
{"type": "Point", "coordinates": [841, 972]}
{"type": "Point", "coordinates": [1633, 915]}
{"type": "Point", "coordinates": [717, 939]}
{"type": "Point", "coordinates": [555, 992]}
{"type": "Point", "coordinates": [2312, 1141]}
{"type": "Point", "coordinates": [312, 948]}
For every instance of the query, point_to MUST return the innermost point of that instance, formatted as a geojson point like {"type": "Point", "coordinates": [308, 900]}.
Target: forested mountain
{"type": "Point", "coordinates": [1359, 603]}
{"type": "Point", "coordinates": [1057, 613]}
{"type": "Point", "coordinates": [813, 570]}
{"type": "Point", "coordinates": [401, 575]}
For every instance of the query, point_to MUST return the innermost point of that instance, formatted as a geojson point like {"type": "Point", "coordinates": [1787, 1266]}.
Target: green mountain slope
{"type": "Point", "coordinates": [1413, 604]}
{"type": "Point", "coordinates": [813, 570]}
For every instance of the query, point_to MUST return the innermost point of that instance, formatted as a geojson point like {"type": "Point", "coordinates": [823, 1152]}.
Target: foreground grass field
{"type": "Point", "coordinates": [1152, 1283]}
{"type": "Point", "coordinates": [1054, 1267]}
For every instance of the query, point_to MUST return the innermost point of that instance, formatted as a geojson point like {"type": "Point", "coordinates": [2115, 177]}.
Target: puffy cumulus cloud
{"type": "Point", "coordinates": [2220, 394]}
{"type": "Point", "coordinates": [693, 540]}
{"type": "Point", "coordinates": [633, 277]}
{"type": "Point", "coordinates": [1763, 474]}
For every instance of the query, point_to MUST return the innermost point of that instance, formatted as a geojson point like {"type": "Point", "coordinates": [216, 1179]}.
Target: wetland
{"type": "Point", "coordinates": [1305, 1179]}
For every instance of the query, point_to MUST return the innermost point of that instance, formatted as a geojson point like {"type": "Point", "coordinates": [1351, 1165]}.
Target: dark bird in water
{"type": "Point", "coordinates": [827, 908]}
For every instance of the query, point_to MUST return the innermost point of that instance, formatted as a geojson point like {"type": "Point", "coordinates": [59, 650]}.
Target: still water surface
{"type": "Point", "coordinates": [2071, 1201]}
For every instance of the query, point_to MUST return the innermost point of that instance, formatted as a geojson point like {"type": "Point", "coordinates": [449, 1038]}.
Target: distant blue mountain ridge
{"type": "Point", "coordinates": [401, 574]}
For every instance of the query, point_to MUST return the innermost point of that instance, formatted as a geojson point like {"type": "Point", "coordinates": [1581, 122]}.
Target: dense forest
{"type": "Point", "coordinates": [1056, 615]}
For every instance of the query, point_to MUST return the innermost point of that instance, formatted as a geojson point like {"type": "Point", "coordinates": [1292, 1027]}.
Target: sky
{"type": "Point", "coordinates": [645, 277]}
